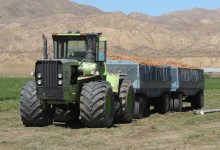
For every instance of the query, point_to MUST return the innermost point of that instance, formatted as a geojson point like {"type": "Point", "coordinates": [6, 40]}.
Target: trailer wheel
{"type": "Point", "coordinates": [156, 104]}
{"type": "Point", "coordinates": [197, 101]}
{"type": "Point", "coordinates": [33, 112]}
{"type": "Point", "coordinates": [147, 106]}
{"type": "Point", "coordinates": [139, 109]}
{"type": "Point", "coordinates": [164, 103]}
{"type": "Point", "coordinates": [200, 99]}
{"type": "Point", "coordinates": [127, 102]}
{"type": "Point", "coordinates": [193, 102]}
{"type": "Point", "coordinates": [171, 105]}
{"type": "Point", "coordinates": [96, 104]}
{"type": "Point", "coordinates": [178, 103]}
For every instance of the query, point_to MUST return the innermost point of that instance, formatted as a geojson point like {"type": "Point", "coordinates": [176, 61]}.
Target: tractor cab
{"type": "Point", "coordinates": [89, 47]}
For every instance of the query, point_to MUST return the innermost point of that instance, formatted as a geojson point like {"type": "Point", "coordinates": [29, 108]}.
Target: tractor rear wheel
{"type": "Point", "coordinates": [33, 112]}
{"type": "Point", "coordinates": [96, 104]}
{"type": "Point", "coordinates": [127, 103]}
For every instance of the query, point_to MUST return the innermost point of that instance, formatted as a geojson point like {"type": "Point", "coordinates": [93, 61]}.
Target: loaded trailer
{"type": "Point", "coordinates": [163, 87]}
{"type": "Point", "coordinates": [188, 85]}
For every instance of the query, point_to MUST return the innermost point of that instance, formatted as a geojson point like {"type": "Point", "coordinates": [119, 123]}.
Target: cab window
{"type": "Point", "coordinates": [101, 53]}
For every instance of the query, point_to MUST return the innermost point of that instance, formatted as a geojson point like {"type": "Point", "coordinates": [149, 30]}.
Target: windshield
{"type": "Point", "coordinates": [71, 49]}
{"type": "Point", "coordinates": [76, 47]}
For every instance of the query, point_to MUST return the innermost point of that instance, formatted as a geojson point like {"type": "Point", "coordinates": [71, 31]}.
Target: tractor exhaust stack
{"type": "Point", "coordinates": [45, 46]}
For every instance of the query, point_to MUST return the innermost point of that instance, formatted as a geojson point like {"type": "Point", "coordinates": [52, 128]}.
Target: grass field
{"type": "Point", "coordinates": [212, 84]}
{"type": "Point", "coordinates": [170, 131]}
{"type": "Point", "coordinates": [10, 89]}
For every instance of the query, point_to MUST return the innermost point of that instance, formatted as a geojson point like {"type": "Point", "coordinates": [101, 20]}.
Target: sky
{"type": "Point", "coordinates": [150, 7]}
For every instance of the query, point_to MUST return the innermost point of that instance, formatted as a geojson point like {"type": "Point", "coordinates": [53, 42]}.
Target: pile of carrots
{"type": "Point", "coordinates": [149, 62]}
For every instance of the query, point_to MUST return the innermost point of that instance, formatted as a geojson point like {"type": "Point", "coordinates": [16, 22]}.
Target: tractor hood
{"type": "Point", "coordinates": [63, 61]}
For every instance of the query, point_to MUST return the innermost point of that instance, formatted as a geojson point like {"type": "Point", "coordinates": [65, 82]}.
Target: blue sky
{"type": "Point", "coordinates": [150, 7]}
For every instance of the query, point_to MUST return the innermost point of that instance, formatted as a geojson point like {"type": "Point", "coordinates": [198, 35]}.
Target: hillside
{"type": "Point", "coordinates": [176, 36]}
{"type": "Point", "coordinates": [38, 8]}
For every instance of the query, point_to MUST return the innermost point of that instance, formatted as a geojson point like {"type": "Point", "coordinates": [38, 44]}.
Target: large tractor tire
{"type": "Point", "coordinates": [96, 104]}
{"type": "Point", "coordinates": [164, 103]}
{"type": "Point", "coordinates": [197, 101]}
{"type": "Point", "coordinates": [178, 103]}
{"type": "Point", "coordinates": [127, 103]}
{"type": "Point", "coordinates": [33, 112]}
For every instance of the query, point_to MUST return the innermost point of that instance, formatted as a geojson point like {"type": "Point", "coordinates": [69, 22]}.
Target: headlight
{"type": "Point", "coordinates": [60, 82]}
{"type": "Point", "coordinates": [39, 82]}
{"type": "Point", "coordinates": [97, 73]}
{"type": "Point", "coordinates": [92, 72]}
{"type": "Point", "coordinates": [60, 75]}
{"type": "Point", "coordinates": [39, 75]}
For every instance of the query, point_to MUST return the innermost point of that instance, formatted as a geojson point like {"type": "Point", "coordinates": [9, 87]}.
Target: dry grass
{"type": "Point", "coordinates": [170, 131]}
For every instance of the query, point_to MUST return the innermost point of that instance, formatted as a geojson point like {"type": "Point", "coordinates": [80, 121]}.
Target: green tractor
{"type": "Point", "coordinates": [75, 85]}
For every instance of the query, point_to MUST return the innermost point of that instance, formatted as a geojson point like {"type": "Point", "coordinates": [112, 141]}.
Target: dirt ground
{"type": "Point", "coordinates": [171, 131]}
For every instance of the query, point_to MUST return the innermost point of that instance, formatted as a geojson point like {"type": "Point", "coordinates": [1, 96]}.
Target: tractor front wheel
{"type": "Point", "coordinates": [33, 112]}
{"type": "Point", "coordinates": [96, 104]}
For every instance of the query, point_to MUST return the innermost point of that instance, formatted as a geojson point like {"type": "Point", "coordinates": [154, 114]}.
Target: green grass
{"type": "Point", "coordinates": [10, 89]}
{"type": "Point", "coordinates": [212, 84]}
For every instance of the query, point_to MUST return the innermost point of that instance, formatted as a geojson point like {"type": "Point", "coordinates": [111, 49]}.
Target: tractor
{"type": "Point", "coordinates": [75, 86]}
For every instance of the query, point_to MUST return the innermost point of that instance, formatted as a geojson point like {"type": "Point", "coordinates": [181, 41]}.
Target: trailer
{"type": "Point", "coordinates": [188, 85]}
{"type": "Point", "coordinates": [151, 85]}
{"type": "Point", "coordinates": [164, 87]}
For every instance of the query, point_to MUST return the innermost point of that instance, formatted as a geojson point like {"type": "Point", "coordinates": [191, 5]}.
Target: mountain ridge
{"type": "Point", "coordinates": [19, 8]}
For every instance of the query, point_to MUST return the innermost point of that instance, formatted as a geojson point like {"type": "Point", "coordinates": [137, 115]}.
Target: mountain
{"type": "Point", "coordinates": [182, 35]}
{"type": "Point", "coordinates": [202, 27]}
{"type": "Point", "coordinates": [19, 8]}
{"type": "Point", "coordinates": [198, 19]}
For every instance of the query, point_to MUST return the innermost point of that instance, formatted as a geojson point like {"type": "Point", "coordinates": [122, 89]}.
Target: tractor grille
{"type": "Point", "coordinates": [49, 89]}
{"type": "Point", "coordinates": [50, 73]}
